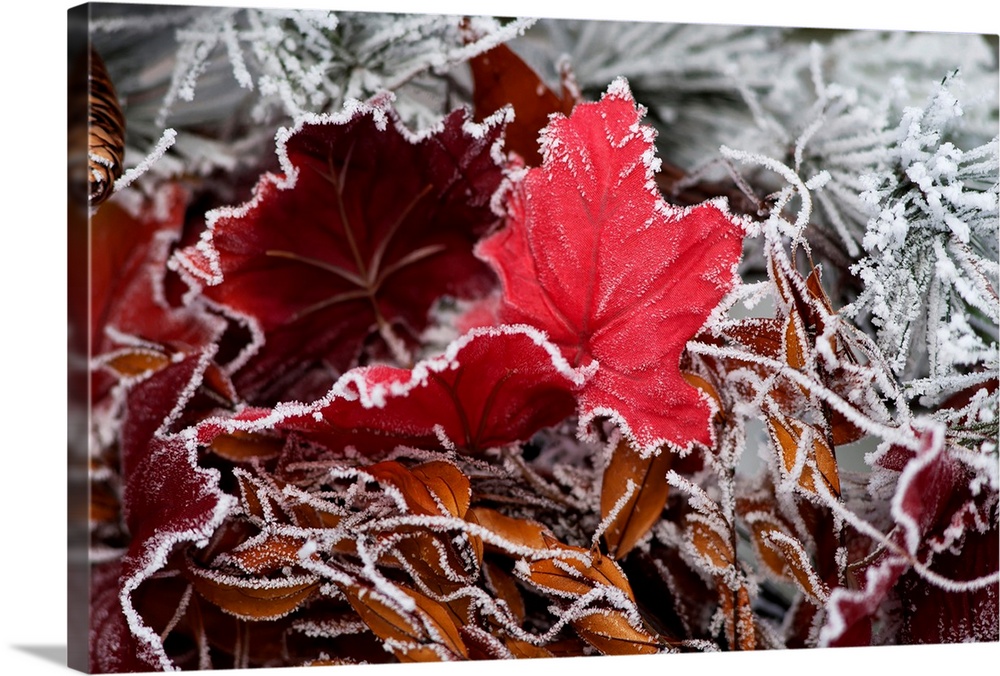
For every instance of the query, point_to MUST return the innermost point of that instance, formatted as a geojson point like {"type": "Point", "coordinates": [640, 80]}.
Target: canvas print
{"type": "Point", "coordinates": [408, 337]}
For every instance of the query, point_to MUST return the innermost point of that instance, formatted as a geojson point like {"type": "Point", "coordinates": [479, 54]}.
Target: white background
{"type": "Point", "coordinates": [33, 328]}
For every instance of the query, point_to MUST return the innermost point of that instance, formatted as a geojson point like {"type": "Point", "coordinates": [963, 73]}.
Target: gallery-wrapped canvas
{"type": "Point", "coordinates": [407, 338]}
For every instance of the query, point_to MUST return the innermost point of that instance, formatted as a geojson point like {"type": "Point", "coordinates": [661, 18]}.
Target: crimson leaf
{"type": "Point", "coordinates": [490, 387]}
{"type": "Point", "coordinates": [169, 501]}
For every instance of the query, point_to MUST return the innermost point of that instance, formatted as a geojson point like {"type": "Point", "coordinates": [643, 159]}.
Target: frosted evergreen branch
{"type": "Point", "coordinates": [162, 146]}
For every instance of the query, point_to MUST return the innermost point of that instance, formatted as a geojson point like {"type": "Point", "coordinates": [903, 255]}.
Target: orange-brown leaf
{"type": "Point", "coordinates": [760, 524]}
{"type": "Point", "coordinates": [741, 632]}
{"type": "Point", "coordinates": [525, 650]}
{"type": "Point", "coordinates": [244, 446]}
{"type": "Point", "coordinates": [571, 576]}
{"type": "Point", "coordinates": [519, 532]}
{"type": "Point", "coordinates": [610, 632]}
{"type": "Point", "coordinates": [434, 488]}
{"type": "Point", "coordinates": [795, 340]}
{"type": "Point", "coordinates": [448, 483]}
{"type": "Point", "coordinates": [708, 388]}
{"type": "Point", "coordinates": [763, 335]}
{"type": "Point", "coordinates": [816, 290]}
{"type": "Point", "coordinates": [269, 555]}
{"type": "Point", "coordinates": [796, 564]}
{"type": "Point", "coordinates": [787, 435]}
{"type": "Point", "coordinates": [410, 632]}
{"type": "Point", "coordinates": [250, 494]}
{"type": "Point", "coordinates": [715, 547]}
{"type": "Point", "coordinates": [434, 560]}
{"type": "Point", "coordinates": [253, 599]}
{"type": "Point", "coordinates": [505, 588]}
{"type": "Point", "coordinates": [442, 622]}
{"type": "Point", "coordinates": [843, 430]}
{"type": "Point", "coordinates": [649, 495]}
{"type": "Point", "coordinates": [136, 361]}
{"type": "Point", "coordinates": [217, 382]}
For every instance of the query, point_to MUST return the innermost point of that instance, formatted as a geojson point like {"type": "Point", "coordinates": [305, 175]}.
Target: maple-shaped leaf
{"type": "Point", "coordinates": [368, 225]}
{"type": "Point", "coordinates": [593, 255]}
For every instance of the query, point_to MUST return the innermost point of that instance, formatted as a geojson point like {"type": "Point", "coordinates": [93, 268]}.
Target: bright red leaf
{"type": "Point", "coordinates": [592, 255]}
{"type": "Point", "coordinates": [490, 387]}
{"type": "Point", "coordinates": [368, 225]}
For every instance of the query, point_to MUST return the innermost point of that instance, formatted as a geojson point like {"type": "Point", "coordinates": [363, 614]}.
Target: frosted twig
{"type": "Point", "coordinates": [164, 144]}
{"type": "Point", "coordinates": [802, 219]}
{"type": "Point", "coordinates": [894, 434]}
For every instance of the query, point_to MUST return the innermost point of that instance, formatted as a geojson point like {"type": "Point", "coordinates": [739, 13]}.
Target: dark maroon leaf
{"type": "Point", "coordinates": [368, 225]}
{"type": "Point", "coordinates": [169, 501]}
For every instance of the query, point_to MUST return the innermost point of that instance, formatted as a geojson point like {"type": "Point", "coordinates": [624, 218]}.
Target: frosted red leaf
{"type": "Point", "coordinates": [593, 255]}
{"type": "Point", "coordinates": [368, 225]}
{"type": "Point", "coordinates": [169, 501]}
{"type": "Point", "coordinates": [131, 317]}
{"type": "Point", "coordinates": [941, 523]}
{"type": "Point", "coordinates": [489, 388]}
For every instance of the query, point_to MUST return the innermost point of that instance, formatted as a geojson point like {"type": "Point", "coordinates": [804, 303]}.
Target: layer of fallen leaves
{"type": "Point", "coordinates": [302, 459]}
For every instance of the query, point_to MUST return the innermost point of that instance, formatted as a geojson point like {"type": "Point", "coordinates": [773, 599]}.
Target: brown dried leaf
{"type": "Point", "coordinates": [476, 544]}
{"type": "Point", "coordinates": [649, 495]}
{"type": "Point", "coordinates": [269, 555]}
{"type": "Point", "coordinates": [250, 495]}
{"type": "Point", "coordinates": [610, 632]}
{"type": "Point", "coordinates": [714, 546]}
{"type": "Point", "coordinates": [217, 382]}
{"type": "Point", "coordinates": [786, 433]}
{"type": "Point", "coordinates": [705, 386]}
{"type": "Point", "coordinates": [448, 483]}
{"type": "Point", "coordinates": [504, 587]}
{"type": "Point", "coordinates": [741, 632]}
{"type": "Point", "coordinates": [434, 560]}
{"type": "Point", "coordinates": [433, 488]}
{"type": "Point", "coordinates": [572, 577]}
{"type": "Point", "coordinates": [245, 446]}
{"type": "Point", "coordinates": [137, 361]}
{"type": "Point", "coordinates": [796, 564]}
{"type": "Point", "coordinates": [822, 308]}
{"type": "Point", "coordinates": [762, 335]}
{"type": "Point", "coordinates": [411, 633]}
{"type": "Point", "coordinates": [253, 598]}
{"type": "Point", "coordinates": [312, 516]}
{"type": "Point", "coordinates": [761, 523]}
{"type": "Point", "coordinates": [795, 340]}
{"type": "Point", "coordinates": [816, 290]}
{"type": "Point", "coordinates": [525, 650]}
{"type": "Point", "coordinates": [843, 430]}
{"type": "Point", "coordinates": [519, 532]}
{"type": "Point", "coordinates": [500, 77]}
